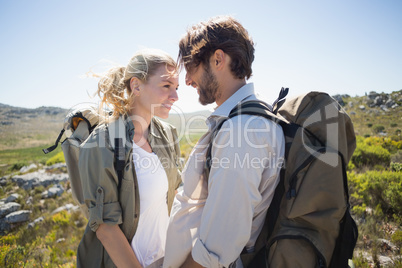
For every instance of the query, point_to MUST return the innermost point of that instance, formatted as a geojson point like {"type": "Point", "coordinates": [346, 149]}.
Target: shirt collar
{"type": "Point", "coordinates": [224, 109]}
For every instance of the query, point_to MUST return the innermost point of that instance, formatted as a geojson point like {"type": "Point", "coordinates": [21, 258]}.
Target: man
{"type": "Point", "coordinates": [219, 215]}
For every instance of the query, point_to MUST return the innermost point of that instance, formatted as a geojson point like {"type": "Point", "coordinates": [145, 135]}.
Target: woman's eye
{"type": "Point", "coordinates": [166, 86]}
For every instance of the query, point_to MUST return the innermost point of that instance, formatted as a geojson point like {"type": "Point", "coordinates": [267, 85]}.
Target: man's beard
{"type": "Point", "coordinates": [208, 88]}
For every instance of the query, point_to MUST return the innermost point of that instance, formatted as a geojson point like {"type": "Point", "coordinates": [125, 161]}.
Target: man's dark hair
{"type": "Point", "coordinates": [223, 32]}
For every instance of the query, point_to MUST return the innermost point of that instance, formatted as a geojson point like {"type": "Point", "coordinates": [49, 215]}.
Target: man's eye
{"type": "Point", "coordinates": [167, 86]}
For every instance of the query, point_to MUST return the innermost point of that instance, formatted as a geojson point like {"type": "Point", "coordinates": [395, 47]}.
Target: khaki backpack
{"type": "Point", "coordinates": [308, 223]}
{"type": "Point", "coordinates": [81, 122]}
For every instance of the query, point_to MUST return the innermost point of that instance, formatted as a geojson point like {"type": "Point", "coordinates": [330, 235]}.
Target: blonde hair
{"type": "Point", "coordinates": [114, 87]}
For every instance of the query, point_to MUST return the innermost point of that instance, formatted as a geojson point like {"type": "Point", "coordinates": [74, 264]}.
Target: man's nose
{"type": "Point", "coordinates": [189, 81]}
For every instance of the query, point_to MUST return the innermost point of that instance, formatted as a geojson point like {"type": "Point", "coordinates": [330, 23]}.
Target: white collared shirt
{"type": "Point", "coordinates": [214, 218]}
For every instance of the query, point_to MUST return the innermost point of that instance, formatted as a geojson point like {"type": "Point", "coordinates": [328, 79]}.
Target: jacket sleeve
{"type": "Point", "coordinates": [99, 181]}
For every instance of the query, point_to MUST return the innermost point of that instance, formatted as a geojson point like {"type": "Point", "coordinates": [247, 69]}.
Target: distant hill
{"type": "Point", "coordinates": [24, 127]}
{"type": "Point", "coordinates": [189, 122]}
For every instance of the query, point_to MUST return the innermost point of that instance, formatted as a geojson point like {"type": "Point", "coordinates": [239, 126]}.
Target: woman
{"type": "Point", "coordinates": [128, 222]}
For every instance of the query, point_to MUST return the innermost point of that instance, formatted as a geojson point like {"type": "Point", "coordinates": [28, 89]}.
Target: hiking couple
{"type": "Point", "coordinates": [220, 212]}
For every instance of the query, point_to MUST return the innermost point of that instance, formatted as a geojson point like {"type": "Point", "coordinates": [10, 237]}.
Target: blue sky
{"type": "Point", "coordinates": [344, 46]}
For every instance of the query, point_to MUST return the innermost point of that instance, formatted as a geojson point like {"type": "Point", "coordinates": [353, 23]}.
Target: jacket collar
{"type": "Point", "coordinates": [154, 129]}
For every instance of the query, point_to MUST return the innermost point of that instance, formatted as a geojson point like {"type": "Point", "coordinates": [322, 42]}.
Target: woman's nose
{"type": "Point", "coordinates": [174, 96]}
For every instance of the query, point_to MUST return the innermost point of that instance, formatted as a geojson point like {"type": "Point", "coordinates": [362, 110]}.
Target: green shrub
{"type": "Point", "coordinates": [375, 188]}
{"type": "Point", "coordinates": [15, 257]}
{"type": "Point", "coordinates": [369, 124]}
{"type": "Point", "coordinates": [350, 166]}
{"type": "Point", "coordinates": [58, 158]}
{"type": "Point", "coordinates": [397, 238]}
{"type": "Point", "coordinates": [39, 189]}
{"type": "Point", "coordinates": [359, 210]}
{"type": "Point", "coordinates": [62, 218]}
{"type": "Point", "coordinates": [17, 166]}
{"type": "Point", "coordinates": [394, 124]}
{"type": "Point", "coordinates": [391, 145]}
{"type": "Point", "coordinates": [379, 167]}
{"type": "Point", "coordinates": [69, 253]}
{"type": "Point", "coordinates": [370, 155]}
{"type": "Point", "coordinates": [361, 261]}
{"type": "Point", "coordinates": [378, 128]}
{"type": "Point", "coordinates": [397, 167]}
{"type": "Point", "coordinates": [397, 157]}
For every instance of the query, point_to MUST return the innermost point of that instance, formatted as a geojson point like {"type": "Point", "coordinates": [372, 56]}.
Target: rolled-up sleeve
{"type": "Point", "coordinates": [99, 182]}
{"type": "Point", "coordinates": [201, 255]}
{"type": "Point", "coordinates": [240, 154]}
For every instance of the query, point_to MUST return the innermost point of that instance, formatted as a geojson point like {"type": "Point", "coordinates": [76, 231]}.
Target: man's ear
{"type": "Point", "coordinates": [135, 85]}
{"type": "Point", "coordinates": [219, 59]}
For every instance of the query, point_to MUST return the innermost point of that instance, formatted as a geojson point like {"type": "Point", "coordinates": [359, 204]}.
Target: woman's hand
{"type": "Point", "coordinates": [117, 246]}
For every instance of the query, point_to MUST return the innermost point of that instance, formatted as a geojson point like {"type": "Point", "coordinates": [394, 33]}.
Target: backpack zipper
{"type": "Point", "coordinates": [293, 179]}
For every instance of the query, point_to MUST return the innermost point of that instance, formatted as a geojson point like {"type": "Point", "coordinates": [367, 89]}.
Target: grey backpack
{"type": "Point", "coordinates": [308, 223]}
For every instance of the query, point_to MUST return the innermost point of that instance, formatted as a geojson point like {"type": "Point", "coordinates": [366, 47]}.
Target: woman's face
{"type": "Point", "coordinates": [157, 95]}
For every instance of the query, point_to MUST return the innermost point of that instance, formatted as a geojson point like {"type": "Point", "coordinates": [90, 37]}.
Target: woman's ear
{"type": "Point", "coordinates": [135, 85]}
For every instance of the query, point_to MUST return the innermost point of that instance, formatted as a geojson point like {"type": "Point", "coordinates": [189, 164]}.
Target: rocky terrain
{"type": "Point", "coordinates": [385, 102]}
{"type": "Point", "coordinates": [11, 215]}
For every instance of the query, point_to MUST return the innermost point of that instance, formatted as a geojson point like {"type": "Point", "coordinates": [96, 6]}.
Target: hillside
{"type": "Point", "coordinates": [23, 127]}
{"type": "Point", "coordinates": [376, 114]}
{"type": "Point", "coordinates": [41, 226]}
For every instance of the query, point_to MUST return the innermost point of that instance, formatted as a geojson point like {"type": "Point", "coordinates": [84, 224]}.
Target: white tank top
{"type": "Point", "coordinates": [149, 240]}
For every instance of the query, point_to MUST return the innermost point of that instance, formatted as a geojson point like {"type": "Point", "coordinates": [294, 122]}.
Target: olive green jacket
{"type": "Point", "coordinates": [105, 202]}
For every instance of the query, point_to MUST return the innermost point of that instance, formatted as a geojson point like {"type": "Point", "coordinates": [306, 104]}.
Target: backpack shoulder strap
{"type": "Point", "coordinates": [251, 107]}
{"type": "Point", "coordinates": [51, 148]}
{"type": "Point", "coordinates": [117, 139]}
{"type": "Point", "coordinates": [117, 130]}
{"type": "Point", "coordinates": [254, 107]}
{"type": "Point", "coordinates": [280, 100]}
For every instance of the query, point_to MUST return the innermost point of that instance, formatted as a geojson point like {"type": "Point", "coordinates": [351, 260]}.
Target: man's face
{"type": "Point", "coordinates": [205, 82]}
